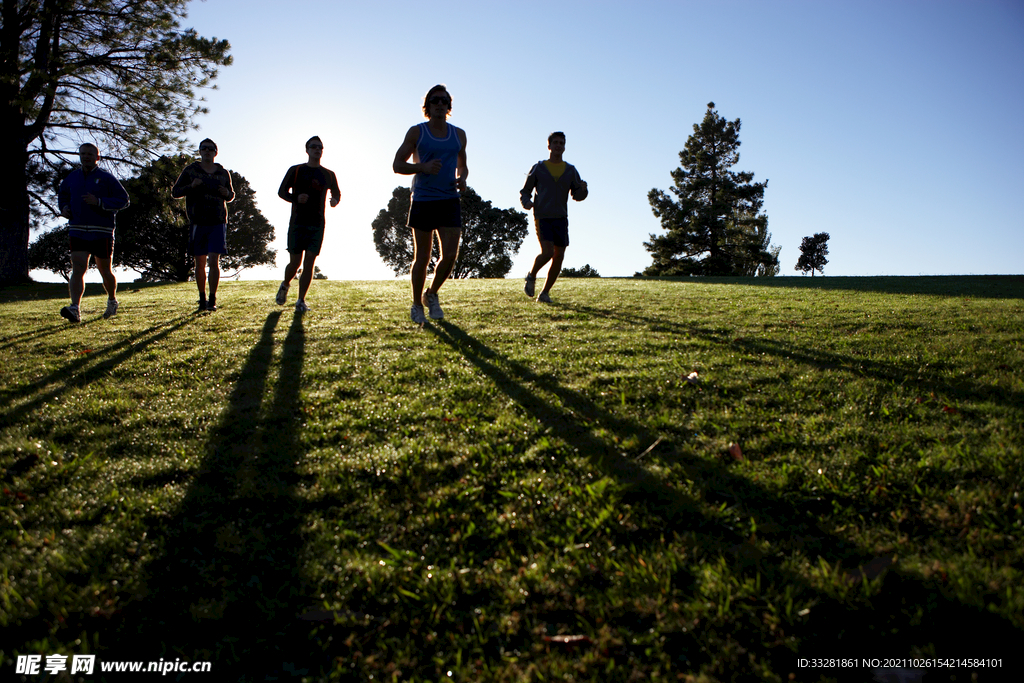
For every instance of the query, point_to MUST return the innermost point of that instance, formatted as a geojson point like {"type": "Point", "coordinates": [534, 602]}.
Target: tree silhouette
{"type": "Point", "coordinates": [490, 236]}
{"type": "Point", "coordinates": [714, 225]}
{"type": "Point", "coordinates": [585, 271]}
{"type": "Point", "coordinates": [50, 252]}
{"type": "Point", "coordinates": [119, 73]}
{"type": "Point", "coordinates": [813, 251]}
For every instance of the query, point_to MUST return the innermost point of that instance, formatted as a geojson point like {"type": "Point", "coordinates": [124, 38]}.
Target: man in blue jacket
{"type": "Point", "coordinates": [90, 197]}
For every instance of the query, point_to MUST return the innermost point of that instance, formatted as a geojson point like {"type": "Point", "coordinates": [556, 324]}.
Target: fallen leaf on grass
{"type": "Point", "coordinates": [735, 451]}
{"type": "Point", "coordinates": [951, 411]}
{"type": "Point", "coordinates": [872, 570]}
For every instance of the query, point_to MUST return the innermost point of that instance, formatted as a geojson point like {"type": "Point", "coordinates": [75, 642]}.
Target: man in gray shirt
{"type": "Point", "coordinates": [553, 180]}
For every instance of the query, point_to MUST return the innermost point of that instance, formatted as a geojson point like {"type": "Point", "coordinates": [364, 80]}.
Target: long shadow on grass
{"type": "Point", "coordinates": [88, 367]}
{"type": "Point", "coordinates": [984, 286]}
{"type": "Point", "coordinates": [887, 373]}
{"type": "Point", "coordinates": [228, 584]}
{"type": "Point", "coordinates": [906, 612]}
{"type": "Point", "coordinates": [30, 335]}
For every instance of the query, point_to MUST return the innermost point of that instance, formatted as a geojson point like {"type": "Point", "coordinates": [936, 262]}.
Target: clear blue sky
{"type": "Point", "coordinates": [895, 126]}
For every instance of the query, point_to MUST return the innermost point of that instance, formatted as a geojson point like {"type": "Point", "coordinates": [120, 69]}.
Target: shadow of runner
{"type": "Point", "coordinates": [227, 584]}
{"type": "Point", "coordinates": [984, 286]}
{"type": "Point", "coordinates": [82, 371]}
{"type": "Point", "coordinates": [907, 615]}
{"type": "Point", "coordinates": [933, 377]}
{"type": "Point", "coordinates": [32, 335]}
{"type": "Point", "coordinates": [567, 422]}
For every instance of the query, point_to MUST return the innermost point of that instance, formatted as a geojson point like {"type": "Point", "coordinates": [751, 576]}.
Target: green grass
{"type": "Point", "coordinates": [342, 495]}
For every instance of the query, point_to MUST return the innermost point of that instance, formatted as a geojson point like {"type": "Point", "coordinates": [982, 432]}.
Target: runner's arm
{"type": "Point", "coordinates": [407, 150]}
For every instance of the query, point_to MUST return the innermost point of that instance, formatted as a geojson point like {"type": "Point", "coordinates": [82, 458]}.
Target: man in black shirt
{"type": "Point", "coordinates": [206, 188]}
{"type": "Point", "coordinates": [306, 186]}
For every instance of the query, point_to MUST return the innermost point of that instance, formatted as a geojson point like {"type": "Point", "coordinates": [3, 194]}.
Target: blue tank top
{"type": "Point", "coordinates": [426, 187]}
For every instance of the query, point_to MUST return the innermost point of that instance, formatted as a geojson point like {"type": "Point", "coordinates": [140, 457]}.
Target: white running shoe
{"type": "Point", "coordinates": [531, 280]}
{"type": "Point", "coordinates": [417, 315]}
{"type": "Point", "coordinates": [71, 313]}
{"type": "Point", "coordinates": [282, 294]}
{"type": "Point", "coordinates": [111, 308]}
{"type": "Point", "coordinates": [300, 306]}
{"type": "Point", "coordinates": [433, 305]}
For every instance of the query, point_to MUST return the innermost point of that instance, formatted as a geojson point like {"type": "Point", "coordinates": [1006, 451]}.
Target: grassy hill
{"type": "Point", "coordinates": [648, 479]}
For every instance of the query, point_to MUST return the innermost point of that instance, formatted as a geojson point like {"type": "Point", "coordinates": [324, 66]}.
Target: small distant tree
{"type": "Point", "coordinates": [813, 251]}
{"type": "Point", "coordinates": [585, 271]}
{"type": "Point", "coordinates": [490, 236]}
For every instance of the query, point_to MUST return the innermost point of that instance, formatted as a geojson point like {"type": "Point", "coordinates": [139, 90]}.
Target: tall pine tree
{"type": "Point", "coordinates": [714, 224]}
{"type": "Point", "coordinates": [121, 74]}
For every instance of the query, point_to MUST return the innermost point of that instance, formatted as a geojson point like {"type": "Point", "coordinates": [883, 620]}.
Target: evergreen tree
{"type": "Point", "coordinates": [119, 73]}
{"type": "Point", "coordinates": [714, 224]}
{"type": "Point", "coordinates": [813, 251]}
{"type": "Point", "coordinates": [490, 236]}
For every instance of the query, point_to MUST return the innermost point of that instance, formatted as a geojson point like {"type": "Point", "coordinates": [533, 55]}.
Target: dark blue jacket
{"type": "Point", "coordinates": [92, 221]}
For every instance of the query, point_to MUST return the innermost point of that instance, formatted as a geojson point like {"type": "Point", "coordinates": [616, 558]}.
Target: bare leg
{"type": "Point", "coordinates": [422, 240]}
{"type": "Point", "coordinates": [292, 267]}
{"type": "Point", "coordinates": [556, 268]}
{"type": "Point", "coordinates": [201, 276]}
{"type": "Point", "coordinates": [448, 239]}
{"type": "Point", "coordinates": [109, 281]}
{"type": "Point", "coordinates": [76, 285]}
{"type": "Point", "coordinates": [214, 261]}
{"type": "Point", "coordinates": [546, 251]}
{"type": "Point", "coordinates": [307, 275]}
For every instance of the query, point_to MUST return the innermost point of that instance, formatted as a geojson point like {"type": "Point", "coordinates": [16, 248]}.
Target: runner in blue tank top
{"type": "Point", "coordinates": [439, 170]}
